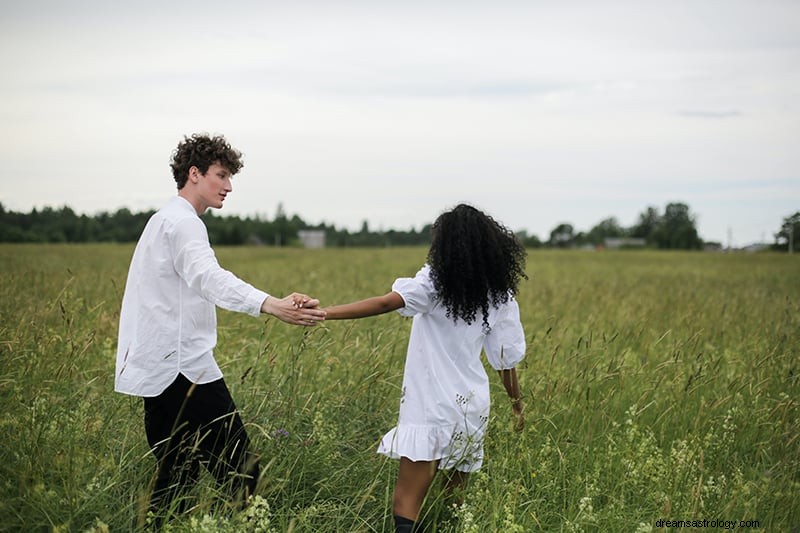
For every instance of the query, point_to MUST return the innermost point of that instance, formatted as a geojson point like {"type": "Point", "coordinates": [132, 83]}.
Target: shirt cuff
{"type": "Point", "coordinates": [255, 300]}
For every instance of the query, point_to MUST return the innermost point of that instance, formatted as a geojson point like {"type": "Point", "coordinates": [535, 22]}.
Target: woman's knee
{"type": "Point", "coordinates": [406, 503]}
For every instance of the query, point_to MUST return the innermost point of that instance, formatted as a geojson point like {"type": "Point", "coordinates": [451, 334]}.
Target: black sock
{"type": "Point", "coordinates": [403, 525]}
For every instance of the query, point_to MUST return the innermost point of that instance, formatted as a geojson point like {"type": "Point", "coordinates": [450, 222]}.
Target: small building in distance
{"type": "Point", "coordinates": [312, 238]}
{"type": "Point", "coordinates": [615, 243]}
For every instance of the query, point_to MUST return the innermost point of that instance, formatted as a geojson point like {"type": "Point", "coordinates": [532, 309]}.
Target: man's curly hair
{"type": "Point", "coordinates": [201, 151]}
{"type": "Point", "coordinates": [475, 262]}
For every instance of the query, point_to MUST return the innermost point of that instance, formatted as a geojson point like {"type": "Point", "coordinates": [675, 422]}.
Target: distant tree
{"type": "Point", "coordinates": [281, 225]}
{"type": "Point", "coordinates": [70, 224]}
{"type": "Point", "coordinates": [529, 241]}
{"type": "Point", "coordinates": [607, 228]}
{"type": "Point", "coordinates": [789, 233]}
{"type": "Point", "coordinates": [562, 236]}
{"type": "Point", "coordinates": [47, 225]}
{"type": "Point", "coordinates": [88, 229]}
{"type": "Point", "coordinates": [580, 239]}
{"type": "Point", "coordinates": [647, 225]}
{"type": "Point", "coordinates": [14, 226]}
{"type": "Point", "coordinates": [335, 237]}
{"type": "Point", "coordinates": [676, 229]}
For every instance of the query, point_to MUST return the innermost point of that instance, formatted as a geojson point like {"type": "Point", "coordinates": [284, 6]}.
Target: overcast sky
{"type": "Point", "coordinates": [538, 112]}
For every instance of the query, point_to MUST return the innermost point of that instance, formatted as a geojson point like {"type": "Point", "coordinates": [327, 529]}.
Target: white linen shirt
{"type": "Point", "coordinates": [168, 321]}
{"type": "Point", "coordinates": [444, 405]}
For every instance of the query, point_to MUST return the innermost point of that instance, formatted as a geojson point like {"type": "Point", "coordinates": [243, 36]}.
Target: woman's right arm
{"type": "Point", "coordinates": [377, 305]}
{"type": "Point", "coordinates": [511, 384]}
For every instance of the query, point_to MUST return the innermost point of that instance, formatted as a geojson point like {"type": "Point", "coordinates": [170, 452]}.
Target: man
{"type": "Point", "coordinates": [167, 333]}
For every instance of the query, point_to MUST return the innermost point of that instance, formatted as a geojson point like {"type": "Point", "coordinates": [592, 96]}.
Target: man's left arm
{"type": "Point", "coordinates": [195, 262]}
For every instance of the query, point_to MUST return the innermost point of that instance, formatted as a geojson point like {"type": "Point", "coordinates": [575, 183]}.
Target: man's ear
{"type": "Point", "coordinates": [194, 174]}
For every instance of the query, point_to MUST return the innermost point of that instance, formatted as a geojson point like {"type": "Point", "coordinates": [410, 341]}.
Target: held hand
{"type": "Point", "coordinates": [297, 309]}
{"type": "Point", "coordinates": [301, 300]}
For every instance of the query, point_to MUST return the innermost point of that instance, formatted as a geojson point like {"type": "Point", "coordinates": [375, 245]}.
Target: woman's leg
{"type": "Point", "coordinates": [414, 478]}
{"type": "Point", "coordinates": [454, 484]}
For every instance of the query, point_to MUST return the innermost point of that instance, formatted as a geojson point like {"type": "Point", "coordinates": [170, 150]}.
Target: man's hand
{"type": "Point", "coordinates": [297, 309]}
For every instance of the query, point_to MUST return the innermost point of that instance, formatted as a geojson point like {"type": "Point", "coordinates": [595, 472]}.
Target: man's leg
{"type": "Point", "coordinates": [224, 442]}
{"type": "Point", "coordinates": [169, 437]}
{"type": "Point", "coordinates": [178, 471]}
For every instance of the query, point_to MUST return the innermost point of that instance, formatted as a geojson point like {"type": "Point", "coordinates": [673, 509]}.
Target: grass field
{"type": "Point", "coordinates": [658, 386]}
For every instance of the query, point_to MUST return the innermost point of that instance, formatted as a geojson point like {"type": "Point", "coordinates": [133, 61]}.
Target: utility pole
{"type": "Point", "coordinates": [791, 237]}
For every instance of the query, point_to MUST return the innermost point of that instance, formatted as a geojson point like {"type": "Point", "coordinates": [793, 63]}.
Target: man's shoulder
{"type": "Point", "coordinates": [178, 210]}
{"type": "Point", "coordinates": [175, 221]}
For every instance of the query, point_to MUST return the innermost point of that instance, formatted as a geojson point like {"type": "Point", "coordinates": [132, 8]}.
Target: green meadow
{"type": "Point", "coordinates": [658, 386]}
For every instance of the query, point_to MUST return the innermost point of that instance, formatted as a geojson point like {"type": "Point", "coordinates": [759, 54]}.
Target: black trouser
{"type": "Point", "coordinates": [190, 424]}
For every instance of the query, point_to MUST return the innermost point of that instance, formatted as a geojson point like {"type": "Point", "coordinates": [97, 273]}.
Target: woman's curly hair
{"type": "Point", "coordinates": [475, 262]}
{"type": "Point", "coordinates": [201, 151]}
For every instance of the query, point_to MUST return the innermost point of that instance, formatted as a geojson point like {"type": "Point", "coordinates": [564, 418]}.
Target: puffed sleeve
{"type": "Point", "coordinates": [505, 343]}
{"type": "Point", "coordinates": [417, 292]}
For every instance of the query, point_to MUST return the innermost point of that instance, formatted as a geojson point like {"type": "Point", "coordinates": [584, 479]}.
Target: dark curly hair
{"type": "Point", "coordinates": [201, 151]}
{"type": "Point", "coordinates": [475, 261]}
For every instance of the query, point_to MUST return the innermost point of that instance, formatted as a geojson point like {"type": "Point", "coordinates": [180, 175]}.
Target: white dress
{"type": "Point", "coordinates": [444, 405]}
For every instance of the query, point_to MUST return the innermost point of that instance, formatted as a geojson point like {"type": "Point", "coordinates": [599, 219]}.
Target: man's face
{"type": "Point", "coordinates": [213, 186]}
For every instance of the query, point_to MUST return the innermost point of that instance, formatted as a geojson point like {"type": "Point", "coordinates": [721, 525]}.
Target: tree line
{"type": "Point", "coordinates": [674, 228]}
{"type": "Point", "coordinates": [64, 225]}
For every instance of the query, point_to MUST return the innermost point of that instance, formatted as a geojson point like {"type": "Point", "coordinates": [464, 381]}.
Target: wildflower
{"type": "Point", "coordinates": [585, 506]}
{"type": "Point", "coordinates": [98, 527]}
{"type": "Point", "coordinates": [258, 515]}
{"type": "Point", "coordinates": [509, 523]}
{"type": "Point", "coordinates": [206, 524]}
{"type": "Point", "coordinates": [468, 525]}
{"type": "Point", "coordinates": [280, 433]}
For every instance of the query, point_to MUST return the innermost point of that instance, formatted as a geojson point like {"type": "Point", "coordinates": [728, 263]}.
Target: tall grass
{"type": "Point", "coordinates": [657, 386]}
